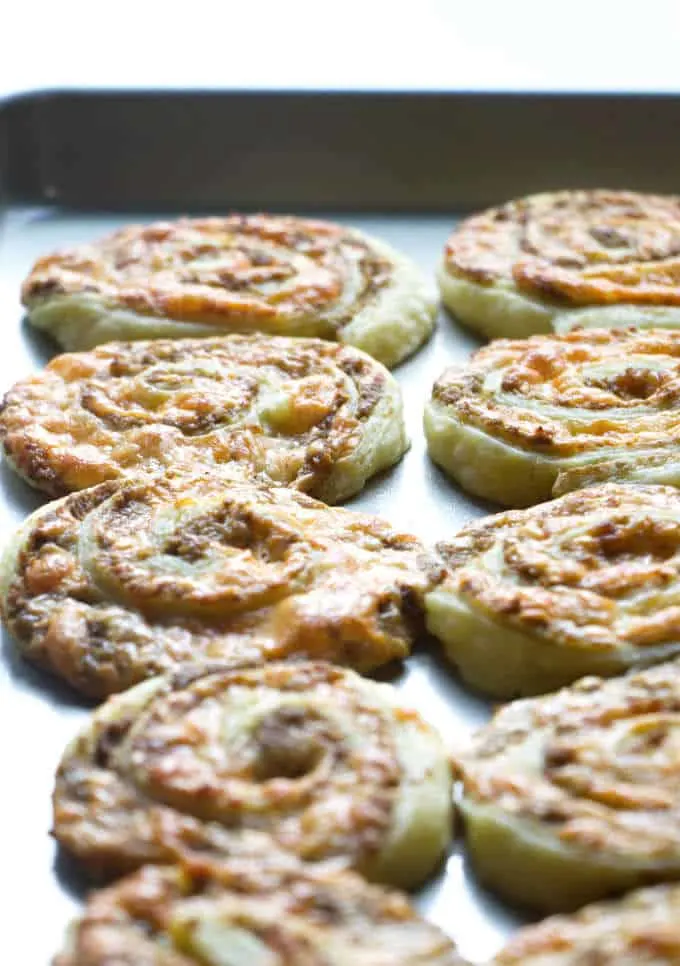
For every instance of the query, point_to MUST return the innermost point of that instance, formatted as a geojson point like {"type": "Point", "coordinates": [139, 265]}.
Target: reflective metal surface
{"type": "Point", "coordinates": [38, 716]}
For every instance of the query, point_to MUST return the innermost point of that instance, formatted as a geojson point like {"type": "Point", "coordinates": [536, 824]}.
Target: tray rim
{"type": "Point", "coordinates": [363, 155]}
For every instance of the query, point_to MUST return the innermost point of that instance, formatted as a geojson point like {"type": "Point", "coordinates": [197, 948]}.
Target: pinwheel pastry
{"type": "Point", "coordinates": [117, 583]}
{"type": "Point", "coordinates": [324, 761]}
{"type": "Point", "coordinates": [575, 796]}
{"type": "Point", "coordinates": [302, 412]}
{"type": "Point", "coordinates": [641, 930]}
{"type": "Point", "coordinates": [570, 258]}
{"type": "Point", "coordinates": [242, 273]}
{"type": "Point", "coordinates": [582, 585]}
{"type": "Point", "coordinates": [263, 916]}
{"type": "Point", "coordinates": [527, 419]}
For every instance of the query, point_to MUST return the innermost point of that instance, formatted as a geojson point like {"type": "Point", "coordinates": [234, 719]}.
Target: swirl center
{"type": "Point", "coordinates": [195, 556]}
{"type": "Point", "coordinates": [233, 757]}
{"type": "Point", "coordinates": [288, 744]}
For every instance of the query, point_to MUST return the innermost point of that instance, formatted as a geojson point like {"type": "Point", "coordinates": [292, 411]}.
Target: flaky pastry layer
{"type": "Point", "coordinates": [575, 796]}
{"type": "Point", "coordinates": [641, 930]}
{"type": "Point", "coordinates": [300, 412]}
{"type": "Point", "coordinates": [275, 274]}
{"type": "Point", "coordinates": [325, 762]}
{"type": "Point", "coordinates": [587, 584]}
{"type": "Point", "coordinates": [262, 916]}
{"type": "Point", "coordinates": [117, 583]}
{"type": "Point", "coordinates": [524, 418]}
{"type": "Point", "coordinates": [565, 259]}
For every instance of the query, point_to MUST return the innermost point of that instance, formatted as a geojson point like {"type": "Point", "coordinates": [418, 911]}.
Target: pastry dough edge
{"type": "Point", "coordinates": [484, 466]}
{"type": "Point", "coordinates": [525, 864]}
{"type": "Point", "coordinates": [505, 662]}
{"type": "Point", "coordinates": [499, 310]}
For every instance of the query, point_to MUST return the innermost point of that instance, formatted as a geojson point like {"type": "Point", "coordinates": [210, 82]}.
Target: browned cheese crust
{"type": "Point", "coordinates": [576, 247]}
{"type": "Point", "coordinates": [275, 274]}
{"type": "Point", "coordinates": [119, 582]}
{"type": "Point", "coordinates": [262, 916]}
{"type": "Point", "coordinates": [641, 930]}
{"type": "Point", "coordinates": [300, 412]}
{"type": "Point", "coordinates": [582, 787]}
{"type": "Point", "coordinates": [257, 270]}
{"type": "Point", "coordinates": [597, 572]}
{"type": "Point", "coordinates": [576, 395]}
{"type": "Point", "coordinates": [320, 759]}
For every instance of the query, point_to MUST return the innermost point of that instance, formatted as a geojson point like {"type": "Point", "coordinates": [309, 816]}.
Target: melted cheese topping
{"type": "Point", "coordinates": [232, 915]}
{"type": "Point", "coordinates": [593, 578]}
{"type": "Point", "coordinates": [322, 760]}
{"type": "Point", "coordinates": [576, 247]}
{"type": "Point", "coordinates": [242, 273]}
{"type": "Point", "coordinates": [643, 928]}
{"type": "Point", "coordinates": [117, 583]}
{"type": "Point", "coordinates": [299, 412]}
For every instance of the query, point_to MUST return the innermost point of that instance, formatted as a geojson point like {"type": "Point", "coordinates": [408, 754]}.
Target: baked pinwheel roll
{"type": "Point", "coordinates": [641, 930]}
{"type": "Point", "coordinates": [301, 412]}
{"type": "Point", "coordinates": [582, 585]}
{"type": "Point", "coordinates": [575, 796]}
{"type": "Point", "coordinates": [565, 259]}
{"type": "Point", "coordinates": [324, 761]}
{"type": "Point", "coordinates": [231, 916]}
{"type": "Point", "coordinates": [527, 419]}
{"type": "Point", "coordinates": [241, 273]}
{"type": "Point", "coordinates": [123, 581]}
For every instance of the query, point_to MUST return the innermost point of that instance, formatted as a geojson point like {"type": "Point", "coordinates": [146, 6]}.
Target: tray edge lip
{"type": "Point", "coordinates": [42, 94]}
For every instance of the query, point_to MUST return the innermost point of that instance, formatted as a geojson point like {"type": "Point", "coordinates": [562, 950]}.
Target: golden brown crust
{"type": "Point", "coordinates": [279, 275]}
{"type": "Point", "coordinates": [263, 269]}
{"type": "Point", "coordinates": [296, 411]}
{"type": "Point", "coordinates": [117, 583]}
{"type": "Point", "coordinates": [526, 419]}
{"type": "Point", "coordinates": [643, 928]}
{"type": "Point", "coordinates": [318, 758]}
{"type": "Point", "coordinates": [578, 394]}
{"type": "Point", "coordinates": [595, 571]}
{"type": "Point", "coordinates": [576, 247]}
{"type": "Point", "coordinates": [586, 779]}
{"type": "Point", "coordinates": [274, 916]}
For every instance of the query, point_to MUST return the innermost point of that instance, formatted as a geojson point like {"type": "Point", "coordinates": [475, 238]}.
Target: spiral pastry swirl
{"type": "Point", "coordinates": [227, 916]}
{"type": "Point", "coordinates": [575, 796]}
{"type": "Point", "coordinates": [322, 760]}
{"type": "Point", "coordinates": [564, 259]}
{"type": "Point", "coordinates": [587, 584]}
{"type": "Point", "coordinates": [301, 412]}
{"type": "Point", "coordinates": [117, 583]}
{"type": "Point", "coordinates": [641, 930]}
{"type": "Point", "coordinates": [242, 273]}
{"type": "Point", "coordinates": [527, 419]}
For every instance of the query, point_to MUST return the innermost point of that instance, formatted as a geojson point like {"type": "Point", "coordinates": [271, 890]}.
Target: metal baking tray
{"type": "Point", "coordinates": [401, 166]}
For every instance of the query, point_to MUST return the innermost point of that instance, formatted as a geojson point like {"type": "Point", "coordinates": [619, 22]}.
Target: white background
{"type": "Point", "coordinates": [487, 44]}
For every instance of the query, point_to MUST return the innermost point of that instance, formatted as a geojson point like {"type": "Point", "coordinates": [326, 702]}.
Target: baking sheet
{"type": "Point", "coordinates": [38, 717]}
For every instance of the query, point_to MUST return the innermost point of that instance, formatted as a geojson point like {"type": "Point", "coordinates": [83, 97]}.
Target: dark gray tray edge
{"type": "Point", "coordinates": [343, 150]}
